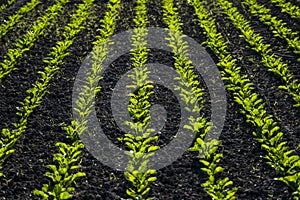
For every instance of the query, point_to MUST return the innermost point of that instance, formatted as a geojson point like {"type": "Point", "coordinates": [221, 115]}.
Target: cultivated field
{"type": "Point", "coordinates": [255, 47]}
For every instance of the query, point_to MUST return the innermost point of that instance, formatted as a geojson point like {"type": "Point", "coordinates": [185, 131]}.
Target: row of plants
{"type": "Point", "coordinates": [39, 90]}
{"type": "Point", "coordinates": [278, 27]}
{"type": "Point", "coordinates": [5, 5]}
{"type": "Point", "coordinates": [139, 143]}
{"type": "Point", "coordinates": [14, 19]}
{"type": "Point", "coordinates": [289, 8]}
{"type": "Point", "coordinates": [65, 170]}
{"type": "Point", "coordinates": [27, 41]}
{"type": "Point", "coordinates": [209, 157]}
{"type": "Point", "coordinates": [267, 132]}
{"type": "Point", "coordinates": [273, 62]}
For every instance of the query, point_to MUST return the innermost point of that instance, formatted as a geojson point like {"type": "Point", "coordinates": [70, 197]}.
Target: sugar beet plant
{"type": "Point", "coordinates": [139, 143]}
{"type": "Point", "coordinates": [15, 54]}
{"type": "Point", "coordinates": [267, 133]}
{"type": "Point", "coordinates": [14, 19]}
{"type": "Point", "coordinates": [216, 188]}
{"type": "Point", "coordinates": [67, 162]}
{"type": "Point", "coordinates": [278, 27]}
{"type": "Point", "coordinates": [271, 61]}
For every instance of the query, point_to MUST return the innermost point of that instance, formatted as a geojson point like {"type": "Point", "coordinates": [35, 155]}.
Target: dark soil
{"type": "Point", "coordinates": [242, 161]}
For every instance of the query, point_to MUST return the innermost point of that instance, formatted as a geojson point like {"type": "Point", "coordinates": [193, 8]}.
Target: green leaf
{"type": "Point", "coordinates": [151, 179]}
{"type": "Point", "coordinates": [146, 191]}
{"type": "Point", "coordinates": [41, 194]}
{"type": "Point", "coordinates": [65, 195]}
{"type": "Point", "coordinates": [218, 170]}
{"type": "Point", "coordinates": [153, 148]}
{"type": "Point", "coordinates": [131, 193]}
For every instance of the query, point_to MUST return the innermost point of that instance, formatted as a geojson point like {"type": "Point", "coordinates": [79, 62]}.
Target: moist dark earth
{"type": "Point", "coordinates": [242, 161]}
